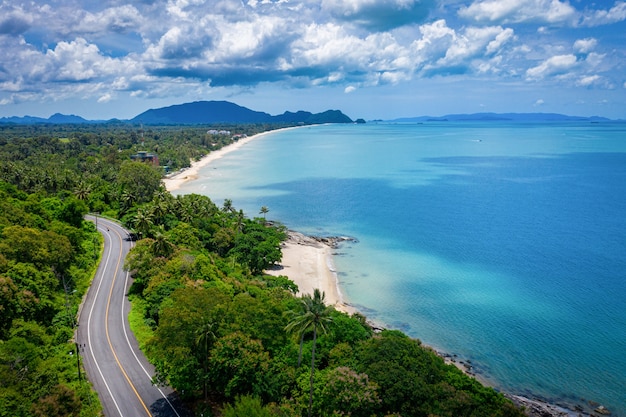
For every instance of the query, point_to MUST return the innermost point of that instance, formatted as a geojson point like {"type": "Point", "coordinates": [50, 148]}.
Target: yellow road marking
{"type": "Point", "coordinates": [107, 330]}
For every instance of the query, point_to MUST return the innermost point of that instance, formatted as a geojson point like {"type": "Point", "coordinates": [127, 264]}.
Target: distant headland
{"type": "Point", "coordinates": [197, 113]}
{"type": "Point", "coordinates": [502, 117]}
{"type": "Point", "coordinates": [215, 112]}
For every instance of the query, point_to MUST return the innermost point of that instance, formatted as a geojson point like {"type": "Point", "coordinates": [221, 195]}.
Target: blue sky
{"type": "Point", "coordinates": [369, 58]}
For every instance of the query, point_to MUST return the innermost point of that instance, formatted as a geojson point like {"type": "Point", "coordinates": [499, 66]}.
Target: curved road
{"type": "Point", "coordinates": [114, 364]}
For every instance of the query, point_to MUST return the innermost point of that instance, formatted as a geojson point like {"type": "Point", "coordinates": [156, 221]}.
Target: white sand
{"type": "Point", "coordinates": [308, 263]}
{"type": "Point", "coordinates": [175, 180]}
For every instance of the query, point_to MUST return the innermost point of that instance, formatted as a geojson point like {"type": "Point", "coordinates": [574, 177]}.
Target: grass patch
{"type": "Point", "coordinates": [138, 325]}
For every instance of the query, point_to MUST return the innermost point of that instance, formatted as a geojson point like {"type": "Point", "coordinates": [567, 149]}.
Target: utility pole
{"type": "Point", "coordinates": [72, 323]}
{"type": "Point", "coordinates": [78, 361]}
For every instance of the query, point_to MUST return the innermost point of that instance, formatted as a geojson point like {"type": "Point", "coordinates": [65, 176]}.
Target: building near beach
{"type": "Point", "coordinates": [143, 156]}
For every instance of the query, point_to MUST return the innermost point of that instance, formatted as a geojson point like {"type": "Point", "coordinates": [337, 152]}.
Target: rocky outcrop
{"type": "Point", "coordinates": [330, 241]}
{"type": "Point", "coordinates": [539, 408]}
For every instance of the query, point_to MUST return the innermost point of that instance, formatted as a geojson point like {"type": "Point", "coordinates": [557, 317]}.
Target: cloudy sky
{"type": "Point", "coordinates": [369, 58]}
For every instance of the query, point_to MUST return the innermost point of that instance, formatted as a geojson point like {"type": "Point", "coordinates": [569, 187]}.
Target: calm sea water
{"type": "Point", "coordinates": [502, 243]}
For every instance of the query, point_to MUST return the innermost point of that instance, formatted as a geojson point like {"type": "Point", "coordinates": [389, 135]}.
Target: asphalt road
{"type": "Point", "coordinates": [116, 367]}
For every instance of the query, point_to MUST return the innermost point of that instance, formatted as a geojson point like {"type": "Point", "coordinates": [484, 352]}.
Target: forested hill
{"type": "Point", "coordinates": [201, 112]}
{"type": "Point", "coordinates": [196, 113]}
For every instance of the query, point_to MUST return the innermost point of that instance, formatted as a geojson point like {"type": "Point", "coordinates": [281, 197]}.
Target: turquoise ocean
{"type": "Point", "coordinates": [503, 243]}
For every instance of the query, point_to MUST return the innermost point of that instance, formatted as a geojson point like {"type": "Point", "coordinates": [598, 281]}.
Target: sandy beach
{"type": "Point", "coordinates": [309, 264]}
{"type": "Point", "coordinates": [176, 179]}
{"type": "Point", "coordinates": [306, 261]}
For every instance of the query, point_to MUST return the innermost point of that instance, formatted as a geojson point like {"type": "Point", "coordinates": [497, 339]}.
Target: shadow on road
{"type": "Point", "coordinates": [161, 408]}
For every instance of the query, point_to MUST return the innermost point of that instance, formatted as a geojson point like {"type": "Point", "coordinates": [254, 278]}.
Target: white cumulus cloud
{"type": "Point", "coordinates": [501, 38]}
{"type": "Point", "coordinates": [507, 11]}
{"type": "Point", "coordinates": [588, 80]}
{"type": "Point", "coordinates": [105, 98]}
{"type": "Point", "coordinates": [585, 45]}
{"type": "Point", "coordinates": [605, 17]}
{"type": "Point", "coordinates": [162, 48]}
{"type": "Point", "coordinates": [115, 19]}
{"type": "Point", "coordinates": [554, 65]}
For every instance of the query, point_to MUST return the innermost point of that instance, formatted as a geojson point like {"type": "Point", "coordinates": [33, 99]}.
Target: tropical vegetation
{"type": "Point", "coordinates": [47, 259]}
{"type": "Point", "coordinates": [228, 338]}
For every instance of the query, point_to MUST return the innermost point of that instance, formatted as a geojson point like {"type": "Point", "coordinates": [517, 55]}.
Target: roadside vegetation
{"type": "Point", "coordinates": [228, 338]}
{"type": "Point", "coordinates": [47, 259]}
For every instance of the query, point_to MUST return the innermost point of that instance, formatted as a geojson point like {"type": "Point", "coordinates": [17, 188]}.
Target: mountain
{"type": "Point", "coordinates": [513, 117]}
{"type": "Point", "coordinates": [26, 120]}
{"type": "Point", "coordinates": [56, 118]}
{"type": "Point", "coordinates": [329, 116]}
{"type": "Point", "coordinates": [62, 119]}
{"type": "Point", "coordinates": [199, 112]}
{"type": "Point", "coordinates": [211, 112]}
{"type": "Point", "coordinates": [208, 112]}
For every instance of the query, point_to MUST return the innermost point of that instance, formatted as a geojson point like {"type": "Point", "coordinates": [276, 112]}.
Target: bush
{"type": "Point", "coordinates": [247, 406]}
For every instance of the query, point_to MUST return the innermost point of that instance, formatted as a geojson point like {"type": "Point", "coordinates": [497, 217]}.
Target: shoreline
{"type": "Point", "coordinates": [176, 179]}
{"type": "Point", "coordinates": [308, 262]}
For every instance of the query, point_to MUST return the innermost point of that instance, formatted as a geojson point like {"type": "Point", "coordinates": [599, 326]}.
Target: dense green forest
{"type": "Point", "coordinates": [228, 338]}
{"type": "Point", "coordinates": [47, 259]}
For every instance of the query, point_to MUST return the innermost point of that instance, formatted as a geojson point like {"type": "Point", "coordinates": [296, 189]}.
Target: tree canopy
{"type": "Point", "coordinates": [217, 328]}
{"type": "Point", "coordinates": [46, 261]}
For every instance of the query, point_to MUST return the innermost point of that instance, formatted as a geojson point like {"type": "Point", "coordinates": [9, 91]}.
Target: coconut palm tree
{"type": "Point", "coordinates": [182, 209]}
{"type": "Point", "coordinates": [300, 332]}
{"type": "Point", "coordinates": [159, 209]}
{"type": "Point", "coordinates": [204, 336]}
{"type": "Point", "coordinates": [264, 211]}
{"type": "Point", "coordinates": [161, 246]}
{"type": "Point", "coordinates": [314, 314]}
{"type": "Point", "coordinates": [82, 191]}
{"type": "Point", "coordinates": [143, 222]}
{"type": "Point", "coordinates": [228, 206]}
{"type": "Point", "coordinates": [240, 220]}
{"type": "Point", "coordinates": [127, 199]}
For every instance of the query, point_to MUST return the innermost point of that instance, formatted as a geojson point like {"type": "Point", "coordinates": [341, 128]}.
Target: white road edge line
{"type": "Point", "coordinates": [89, 333]}
{"type": "Point", "coordinates": [136, 358]}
